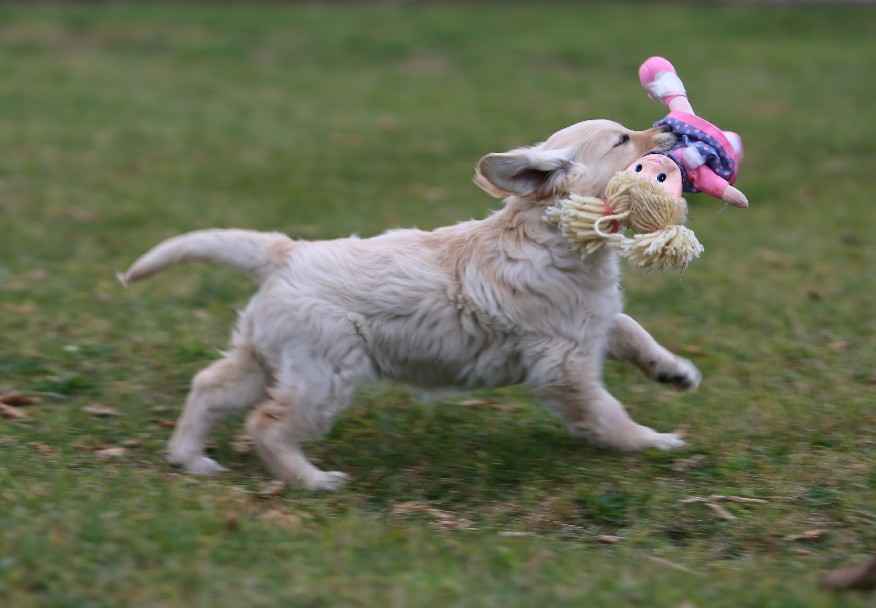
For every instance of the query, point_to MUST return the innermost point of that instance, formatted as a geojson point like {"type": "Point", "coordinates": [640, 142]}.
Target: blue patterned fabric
{"type": "Point", "coordinates": [711, 151]}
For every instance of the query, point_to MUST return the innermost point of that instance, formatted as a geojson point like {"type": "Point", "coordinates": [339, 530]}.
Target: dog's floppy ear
{"type": "Point", "coordinates": [521, 172]}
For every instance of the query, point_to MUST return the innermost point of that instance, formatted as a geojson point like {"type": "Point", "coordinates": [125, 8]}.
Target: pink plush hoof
{"type": "Point", "coordinates": [651, 67]}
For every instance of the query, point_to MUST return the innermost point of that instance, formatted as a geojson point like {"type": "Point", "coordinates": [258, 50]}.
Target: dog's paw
{"type": "Point", "coordinates": [200, 465]}
{"type": "Point", "coordinates": [667, 441]}
{"type": "Point", "coordinates": [632, 438]}
{"type": "Point", "coordinates": [682, 374]}
{"type": "Point", "coordinates": [327, 481]}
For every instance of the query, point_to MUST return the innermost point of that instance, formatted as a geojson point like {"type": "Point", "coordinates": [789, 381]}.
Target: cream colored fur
{"type": "Point", "coordinates": [484, 303]}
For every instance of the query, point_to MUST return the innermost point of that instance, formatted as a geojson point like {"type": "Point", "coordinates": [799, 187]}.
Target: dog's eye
{"type": "Point", "coordinates": [623, 139]}
{"type": "Point", "coordinates": [639, 168]}
{"type": "Point", "coordinates": [661, 177]}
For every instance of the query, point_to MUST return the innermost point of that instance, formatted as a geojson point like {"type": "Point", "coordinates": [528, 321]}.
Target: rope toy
{"type": "Point", "coordinates": [644, 199]}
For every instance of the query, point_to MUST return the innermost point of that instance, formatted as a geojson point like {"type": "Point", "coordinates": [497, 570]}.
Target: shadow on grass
{"type": "Point", "coordinates": [446, 454]}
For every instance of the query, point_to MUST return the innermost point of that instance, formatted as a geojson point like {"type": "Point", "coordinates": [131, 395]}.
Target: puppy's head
{"type": "Point", "coordinates": [579, 159]}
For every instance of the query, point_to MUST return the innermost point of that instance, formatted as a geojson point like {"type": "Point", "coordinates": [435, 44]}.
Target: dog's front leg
{"type": "Point", "coordinates": [628, 341]}
{"type": "Point", "coordinates": [576, 393]}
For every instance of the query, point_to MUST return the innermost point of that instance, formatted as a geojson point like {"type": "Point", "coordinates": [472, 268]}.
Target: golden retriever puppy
{"type": "Point", "coordinates": [486, 303]}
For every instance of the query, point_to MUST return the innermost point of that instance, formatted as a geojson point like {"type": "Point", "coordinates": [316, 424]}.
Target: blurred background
{"type": "Point", "coordinates": [122, 124]}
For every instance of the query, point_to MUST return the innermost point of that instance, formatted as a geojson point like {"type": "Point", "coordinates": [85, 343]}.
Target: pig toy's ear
{"type": "Point", "coordinates": [659, 78]}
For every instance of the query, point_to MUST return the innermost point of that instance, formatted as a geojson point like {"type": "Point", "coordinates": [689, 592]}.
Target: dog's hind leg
{"type": "Point", "coordinates": [234, 382]}
{"type": "Point", "coordinates": [629, 341]}
{"type": "Point", "coordinates": [311, 390]}
{"type": "Point", "coordinates": [278, 426]}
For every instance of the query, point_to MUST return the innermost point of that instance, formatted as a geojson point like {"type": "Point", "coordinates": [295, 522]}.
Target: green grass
{"type": "Point", "coordinates": [124, 125]}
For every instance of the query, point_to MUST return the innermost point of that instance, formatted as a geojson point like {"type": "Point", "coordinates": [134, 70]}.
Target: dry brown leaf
{"type": "Point", "coordinates": [504, 407]}
{"type": "Point", "coordinates": [80, 214]}
{"type": "Point", "coordinates": [281, 518]}
{"type": "Point", "coordinates": [684, 465]}
{"type": "Point", "coordinates": [808, 535]}
{"type": "Point", "coordinates": [101, 411]}
{"type": "Point", "coordinates": [443, 519]}
{"type": "Point", "coordinates": [425, 63]}
{"type": "Point", "coordinates": [775, 259]}
{"type": "Point", "coordinates": [232, 522]}
{"type": "Point", "coordinates": [490, 403]}
{"type": "Point", "coordinates": [165, 423]}
{"type": "Point", "coordinates": [110, 453]}
{"type": "Point", "coordinates": [21, 309]}
{"type": "Point", "coordinates": [838, 345]}
{"type": "Point", "coordinates": [477, 402]}
{"type": "Point", "coordinates": [86, 444]}
{"type": "Point", "coordinates": [42, 448]}
{"type": "Point", "coordinates": [387, 122]}
{"type": "Point", "coordinates": [11, 412]}
{"type": "Point", "coordinates": [608, 539]}
{"type": "Point", "coordinates": [16, 399]}
{"type": "Point", "coordinates": [858, 576]}
{"type": "Point", "coordinates": [272, 488]}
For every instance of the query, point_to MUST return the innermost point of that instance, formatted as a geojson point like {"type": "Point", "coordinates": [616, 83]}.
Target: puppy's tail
{"type": "Point", "coordinates": [255, 253]}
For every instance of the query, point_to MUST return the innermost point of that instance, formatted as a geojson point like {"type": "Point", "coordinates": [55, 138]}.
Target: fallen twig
{"type": "Point", "coordinates": [665, 562]}
{"type": "Point", "coordinates": [712, 503]}
{"type": "Point", "coordinates": [721, 511]}
{"type": "Point", "coordinates": [723, 498]}
{"type": "Point", "coordinates": [815, 534]}
{"type": "Point", "coordinates": [740, 499]}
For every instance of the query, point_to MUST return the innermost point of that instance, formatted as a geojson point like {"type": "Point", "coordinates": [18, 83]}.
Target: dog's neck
{"type": "Point", "coordinates": [519, 231]}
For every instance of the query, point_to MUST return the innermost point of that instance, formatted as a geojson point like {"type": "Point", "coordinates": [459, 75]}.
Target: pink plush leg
{"type": "Point", "coordinates": [654, 76]}
{"type": "Point", "coordinates": [651, 67]}
{"type": "Point", "coordinates": [709, 182]}
{"type": "Point", "coordinates": [679, 103]}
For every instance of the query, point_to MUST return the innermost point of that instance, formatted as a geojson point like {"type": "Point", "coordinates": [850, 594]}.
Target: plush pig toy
{"type": "Point", "coordinates": [707, 156]}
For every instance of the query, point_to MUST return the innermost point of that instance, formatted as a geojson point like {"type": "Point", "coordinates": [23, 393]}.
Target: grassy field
{"type": "Point", "coordinates": [121, 126]}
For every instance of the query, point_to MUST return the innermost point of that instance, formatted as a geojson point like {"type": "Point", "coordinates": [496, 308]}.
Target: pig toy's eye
{"type": "Point", "coordinates": [661, 178]}
{"type": "Point", "coordinates": [639, 168]}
